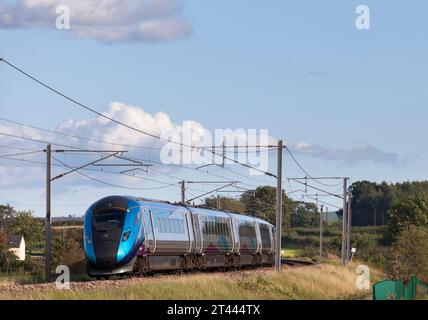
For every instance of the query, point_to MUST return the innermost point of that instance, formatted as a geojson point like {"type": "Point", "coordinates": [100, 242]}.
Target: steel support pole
{"type": "Point", "coordinates": [344, 220]}
{"type": "Point", "coordinates": [321, 231]}
{"type": "Point", "coordinates": [48, 214]}
{"type": "Point", "coordinates": [278, 210]}
{"type": "Point", "coordinates": [349, 222]}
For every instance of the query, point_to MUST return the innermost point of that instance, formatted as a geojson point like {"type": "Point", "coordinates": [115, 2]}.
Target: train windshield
{"type": "Point", "coordinates": [108, 220]}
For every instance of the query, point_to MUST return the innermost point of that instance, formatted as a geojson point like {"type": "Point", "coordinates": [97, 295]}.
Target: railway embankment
{"type": "Point", "coordinates": [323, 281]}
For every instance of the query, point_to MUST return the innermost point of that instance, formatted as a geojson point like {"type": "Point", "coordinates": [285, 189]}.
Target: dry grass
{"type": "Point", "coordinates": [317, 282]}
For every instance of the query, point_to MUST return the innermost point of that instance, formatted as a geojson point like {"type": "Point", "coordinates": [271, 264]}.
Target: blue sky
{"type": "Point", "coordinates": [299, 68]}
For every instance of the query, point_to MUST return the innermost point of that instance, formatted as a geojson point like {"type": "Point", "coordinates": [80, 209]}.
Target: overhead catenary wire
{"type": "Point", "coordinates": [74, 101]}
{"type": "Point", "coordinates": [111, 143]}
{"type": "Point", "coordinates": [305, 171]}
{"type": "Point", "coordinates": [323, 202]}
{"type": "Point", "coordinates": [103, 170]}
{"type": "Point", "coordinates": [127, 157]}
{"type": "Point", "coordinates": [19, 154]}
{"type": "Point", "coordinates": [39, 163]}
{"type": "Point", "coordinates": [80, 137]}
{"type": "Point", "coordinates": [17, 148]}
{"type": "Point", "coordinates": [103, 141]}
{"type": "Point", "coordinates": [111, 184]}
{"type": "Point", "coordinates": [318, 189]}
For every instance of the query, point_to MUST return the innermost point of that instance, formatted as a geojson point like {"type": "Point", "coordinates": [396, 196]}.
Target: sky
{"type": "Point", "coordinates": [347, 102]}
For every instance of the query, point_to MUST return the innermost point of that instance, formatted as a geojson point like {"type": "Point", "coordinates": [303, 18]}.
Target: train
{"type": "Point", "coordinates": [131, 235]}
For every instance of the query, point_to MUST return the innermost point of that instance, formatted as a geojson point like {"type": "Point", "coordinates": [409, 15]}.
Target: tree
{"type": "Point", "coordinates": [411, 211]}
{"type": "Point", "coordinates": [7, 213]}
{"type": "Point", "coordinates": [261, 204]}
{"type": "Point", "coordinates": [3, 242]}
{"type": "Point", "coordinates": [370, 201]}
{"type": "Point", "coordinates": [305, 215]}
{"type": "Point", "coordinates": [229, 204]}
{"type": "Point", "coordinates": [24, 224]}
{"type": "Point", "coordinates": [6, 257]}
{"type": "Point", "coordinates": [410, 253]}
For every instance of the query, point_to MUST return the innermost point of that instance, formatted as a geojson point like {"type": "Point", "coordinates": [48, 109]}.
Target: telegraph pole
{"type": "Point", "coordinates": [344, 220]}
{"type": "Point", "coordinates": [48, 214]}
{"type": "Point", "coordinates": [278, 209]}
{"type": "Point", "coordinates": [348, 244]}
{"type": "Point", "coordinates": [374, 219]}
{"type": "Point", "coordinates": [183, 192]}
{"type": "Point", "coordinates": [326, 217]}
{"type": "Point", "coordinates": [321, 230]}
{"type": "Point", "coordinates": [218, 202]}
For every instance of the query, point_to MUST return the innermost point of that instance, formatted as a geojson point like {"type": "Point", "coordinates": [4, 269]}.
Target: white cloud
{"type": "Point", "coordinates": [356, 154]}
{"type": "Point", "coordinates": [105, 20]}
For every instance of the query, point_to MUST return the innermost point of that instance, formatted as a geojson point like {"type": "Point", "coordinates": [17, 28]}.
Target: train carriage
{"type": "Point", "coordinates": [135, 235]}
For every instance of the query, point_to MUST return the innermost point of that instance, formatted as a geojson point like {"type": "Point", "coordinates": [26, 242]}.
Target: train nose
{"type": "Point", "coordinates": [106, 246]}
{"type": "Point", "coordinates": [106, 253]}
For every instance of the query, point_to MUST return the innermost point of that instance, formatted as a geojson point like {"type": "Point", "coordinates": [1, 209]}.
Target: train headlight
{"type": "Point", "coordinates": [126, 235]}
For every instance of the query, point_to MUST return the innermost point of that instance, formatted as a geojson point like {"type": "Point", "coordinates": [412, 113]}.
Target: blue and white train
{"type": "Point", "coordinates": [125, 235]}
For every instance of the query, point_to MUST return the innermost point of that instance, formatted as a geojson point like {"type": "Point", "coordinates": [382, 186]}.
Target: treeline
{"type": "Point", "coordinates": [371, 201]}
{"type": "Point", "coordinates": [261, 204]}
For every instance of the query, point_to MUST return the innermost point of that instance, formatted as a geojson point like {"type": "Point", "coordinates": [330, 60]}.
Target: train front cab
{"type": "Point", "coordinates": [112, 236]}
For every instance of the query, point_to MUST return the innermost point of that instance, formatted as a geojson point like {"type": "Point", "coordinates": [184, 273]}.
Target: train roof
{"type": "Point", "coordinates": [202, 211]}
{"type": "Point", "coordinates": [249, 218]}
{"type": "Point", "coordinates": [209, 212]}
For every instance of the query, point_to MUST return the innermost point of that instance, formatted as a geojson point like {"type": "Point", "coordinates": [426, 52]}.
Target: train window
{"type": "Point", "coordinates": [108, 220]}
{"type": "Point", "coordinates": [160, 225]}
{"type": "Point", "coordinates": [265, 235]}
{"type": "Point", "coordinates": [247, 231]}
{"type": "Point", "coordinates": [172, 225]}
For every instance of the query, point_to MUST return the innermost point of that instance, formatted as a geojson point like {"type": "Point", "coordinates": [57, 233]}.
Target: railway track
{"type": "Point", "coordinates": [297, 263]}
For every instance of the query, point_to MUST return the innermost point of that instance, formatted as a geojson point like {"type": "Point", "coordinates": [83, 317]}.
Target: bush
{"type": "Point", "coordinates": [410, 253]}
{"type": "Point", "coordinates": [369, 250]}
{"type": "Point", "coordinates": [70, 253]}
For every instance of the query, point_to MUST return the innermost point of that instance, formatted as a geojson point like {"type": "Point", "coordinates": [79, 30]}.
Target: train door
{"type": "Point", "coordinates": [189, 228]}
{"type": "Point", "coordinates": [272, 237]}
{"type": "Point", "coordinates": [150, 233]}
{"type": "Point", "coordinates": [232, 234]}
{"type": "Point", "coordinates": [197, 233]}
{"type": "Point", "coordinates": [258, 237]}
{"type": "Point", "coordinates": [235, 230]}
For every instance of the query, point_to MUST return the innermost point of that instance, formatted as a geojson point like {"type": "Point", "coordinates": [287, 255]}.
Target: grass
{"type": "Point", "coordinates": [319, 282]}
{"type": "Point", "coordinates": [291, 253]}
{"type": "Point", "coordinates": [13, 278]}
